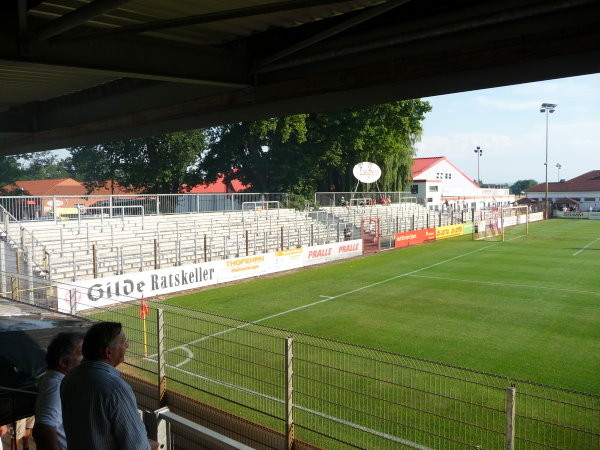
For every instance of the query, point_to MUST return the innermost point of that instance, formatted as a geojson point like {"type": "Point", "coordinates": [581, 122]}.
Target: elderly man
{"type": "Point", "coordinates": [64, 354]}
{"type": "Point", "coordinates": [99, 408]}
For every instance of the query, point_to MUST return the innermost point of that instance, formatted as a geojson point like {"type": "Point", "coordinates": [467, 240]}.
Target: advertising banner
{"type": "Point", "coordinates": [331, 252]}
{"type": "Point", "coordinates": [449, 231]}
{"type": "Point", "coordinates": [414, 237]}
{"type": "Point", "coordinates": [124, 288]}
{"type": "Point", "coordinates": [571, 214]}
{"type": "Point", "coordinates": [468, 228]}
{"type": "Point", "coordinates": [594, 215]}
{"type": "Point", "coordinates": [534, 217]}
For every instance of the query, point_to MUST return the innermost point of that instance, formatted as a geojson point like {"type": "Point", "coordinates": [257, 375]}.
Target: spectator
{"type": "Point", "coordinates": [3, 430]}
{"type": "Point", "coordinates": [99, 408]}
{"type": "Point", "coordinates": [23, 432]}
{"type": "Point", "coordinates": [347, 233]}
{"type": "Point", "coordinates": [64, 353]}
{"type": "Point", "coordinates": [343, 202]}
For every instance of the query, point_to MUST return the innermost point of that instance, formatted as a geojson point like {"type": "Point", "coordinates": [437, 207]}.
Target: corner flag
{"type": "Point", "coordinates": [144, 309]}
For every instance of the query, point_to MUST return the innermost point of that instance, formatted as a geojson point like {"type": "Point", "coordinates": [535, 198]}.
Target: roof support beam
{"type": "Point", "coordinates": [369, 14]}
{"type": "Point", "coordinates": [75, 18]}
{"type": "Point", "coordinates": [268, 8]}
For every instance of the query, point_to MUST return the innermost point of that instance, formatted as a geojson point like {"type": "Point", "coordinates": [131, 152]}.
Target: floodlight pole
{"type": "Point", "coordinates": [547, 108]}
{"type": "Point", "coordinates": [558, 167]}
{"type": "Point", "coordinates": [479, 151]}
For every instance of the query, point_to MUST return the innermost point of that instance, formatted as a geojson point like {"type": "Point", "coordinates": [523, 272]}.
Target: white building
{"type": "Point", "coordinates": [436, 181]}
{"type": "Point", "coordinates": [582, 192]}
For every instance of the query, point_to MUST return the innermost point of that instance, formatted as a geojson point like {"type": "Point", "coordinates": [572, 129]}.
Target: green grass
{"type": "Point", "coordinates": [528, 308]}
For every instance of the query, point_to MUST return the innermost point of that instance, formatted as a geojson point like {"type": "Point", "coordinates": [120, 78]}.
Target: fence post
{"type": "Point", "coordinates": [73, 301]}
{"type": "Point", "coordinates": [282, 238]}
{"type": "Point", "coordinates": [155, 254]}
{"type": "Point", "coordinates": [94, 261]}
{"type": "Point", "coordinates": [289, 393]}
{"type": "Point", "coordinates": [247, 249]}
{"type": "Point", "coordinates": [2, 268]}
{"type": "Point", "coordinates": [162, 378]}
{"type": "Point", "coordinates": [14, 288]}
{"type": "Point", "coordinates": [205, 255]}
{"type": "Point", "coordinates": [510, 418]}
{"type": "Point", "coordinates": [30, 279]}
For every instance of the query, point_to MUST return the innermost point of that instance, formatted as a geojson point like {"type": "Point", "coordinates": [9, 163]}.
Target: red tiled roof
{"type": "Point", "coordinates": [55, 186]}
{"type": "Point", "coordinates": [420, 165]}
{"type": "Point", "coordinates": [218, 187]}
{"type": "Point", "coordinates": [589, 181]}
{"type": "Point", "coordinates": [118, 189]}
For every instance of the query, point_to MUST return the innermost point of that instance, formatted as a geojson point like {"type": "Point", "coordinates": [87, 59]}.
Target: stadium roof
{"type": "Point", "coordinates": [589, 181]}
{"type": "Point", "coordinates": [78, 72]}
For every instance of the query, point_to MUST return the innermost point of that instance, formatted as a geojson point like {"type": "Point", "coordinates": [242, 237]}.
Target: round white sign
{"type": "Point", "coordinates": [367, 172]}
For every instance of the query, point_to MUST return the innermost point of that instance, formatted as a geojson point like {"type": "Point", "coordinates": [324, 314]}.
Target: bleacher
{"type": "Point", "coordinates": [100, 247]}
{"type": "Point", "coordinates": [397, 217]}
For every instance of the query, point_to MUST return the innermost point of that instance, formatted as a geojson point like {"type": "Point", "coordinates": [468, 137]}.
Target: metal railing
{"type": "Point", "coordinates": [339, 395]}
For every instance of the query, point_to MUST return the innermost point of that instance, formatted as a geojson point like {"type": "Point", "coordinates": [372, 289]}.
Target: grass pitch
{"type": "Point", "coordinates": [527, 308]}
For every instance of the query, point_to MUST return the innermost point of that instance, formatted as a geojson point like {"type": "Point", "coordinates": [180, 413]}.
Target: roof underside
{"type": "Point", "coordinates": [76, 72]}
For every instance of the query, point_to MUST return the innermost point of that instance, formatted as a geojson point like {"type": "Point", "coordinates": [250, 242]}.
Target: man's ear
{"type": "Point", "coordinates": [107, 352]}
{"type": "Point", "coordinates": [62, 362]}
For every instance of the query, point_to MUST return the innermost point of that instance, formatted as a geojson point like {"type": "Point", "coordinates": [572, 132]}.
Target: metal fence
{"type": "Point", "coordinates": [328, 199]}
{"type": "Point", "coordinates": [338, 395]}
{"type": "Point", "coordinates": [92, 206]}
{"type": "Point", "coordinates": [104, 246]}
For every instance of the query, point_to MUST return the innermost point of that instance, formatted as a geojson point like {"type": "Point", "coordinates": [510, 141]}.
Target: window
{"type": "Point", "coordinates": [414, 189]}
{"type": "Point", "coordinates": [589, 199]}
{"type": "Point", "coordinates": [433, 188]}
{"type": "Point", "coordinates": [429, 200]}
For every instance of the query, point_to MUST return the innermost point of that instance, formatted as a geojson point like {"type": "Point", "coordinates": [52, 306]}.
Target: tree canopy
{"type": "Point", "coordinates": [309, 152]}
{"type": "Point", "coordinates": [521, 185]}
{"type": "Point", "coordinates": [32, 166]}
{"type": "Point", "coordinates": [155, 164]}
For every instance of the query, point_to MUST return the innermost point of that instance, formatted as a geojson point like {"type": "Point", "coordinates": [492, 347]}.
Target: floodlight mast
{"type": "Point", "coordinates": [479, 152]}
{"type": "Point", "coordinates": [547, 108]}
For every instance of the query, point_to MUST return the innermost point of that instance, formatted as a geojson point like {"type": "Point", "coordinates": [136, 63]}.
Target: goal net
{"type": "Point", "coordinates": [502, 223]}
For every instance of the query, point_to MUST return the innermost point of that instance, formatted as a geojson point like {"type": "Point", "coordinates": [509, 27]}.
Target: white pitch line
{"type": "Point", "coordinates": [494, 283]}
{"type": "Point", "coordinates": [353, 291]}
{"type": "Point", "coordinates": [582, 249]}
{"type": "Point", "coordinates": [387, 436]}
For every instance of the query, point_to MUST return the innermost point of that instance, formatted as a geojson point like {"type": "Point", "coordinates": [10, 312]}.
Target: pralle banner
{"type": "Point", "coordinates": [414, 237]}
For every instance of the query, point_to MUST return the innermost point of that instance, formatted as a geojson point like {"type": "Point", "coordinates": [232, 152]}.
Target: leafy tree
{"type": "Point", "coordinates": [306, 152]}
{"type": "Point", "coordinates": [155, 164]}
{"type": "Point", "coordinates": [521, 185]}
{"type": "Point", "coordinates": [10, 170]}
{"type": "Point", "coordinates": [43, 166]}
{"type": "Point", "coordinates": [96, 164]}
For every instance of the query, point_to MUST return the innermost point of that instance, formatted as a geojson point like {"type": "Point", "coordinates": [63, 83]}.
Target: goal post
{"type": "Point", "coordinates": [502, 223]}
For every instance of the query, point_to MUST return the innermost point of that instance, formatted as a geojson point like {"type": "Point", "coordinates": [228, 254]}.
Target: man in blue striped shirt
{"type": "Point", "coordinates": [99, 409]}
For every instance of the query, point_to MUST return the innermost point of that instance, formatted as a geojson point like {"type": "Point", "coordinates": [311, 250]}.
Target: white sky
{"type": "Point", "coordinates": [507, 124]}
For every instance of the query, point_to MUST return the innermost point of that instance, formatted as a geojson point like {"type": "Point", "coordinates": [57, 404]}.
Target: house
{"type": "Point", "coordinates": [437, 182]}
{"type": "Point", "coordinates": [582, 192]}
{"type": "Point", "coordinates": [218, 187]}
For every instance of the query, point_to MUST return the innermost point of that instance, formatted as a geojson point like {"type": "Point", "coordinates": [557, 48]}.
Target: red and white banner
{"type": "Point", "coordinates": [414, 237]}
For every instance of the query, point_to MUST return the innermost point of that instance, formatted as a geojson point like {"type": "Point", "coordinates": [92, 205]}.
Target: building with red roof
{"type": "Point", "coordinates": [436, 181]}
{"type": "Point", "coordinates": [582, 192]}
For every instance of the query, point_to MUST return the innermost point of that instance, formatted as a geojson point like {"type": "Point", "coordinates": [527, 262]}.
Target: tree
{"type": "Point", "coordinates": [43, 166]}
{"type": "Point", "coordinates": [309, 152]}
{"type": "Point", "coordinates": [155, 164]}
{"type": "Point", "coordinates": [10, 170]}
{"type": "Point", "coordinates": [521, 185]}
